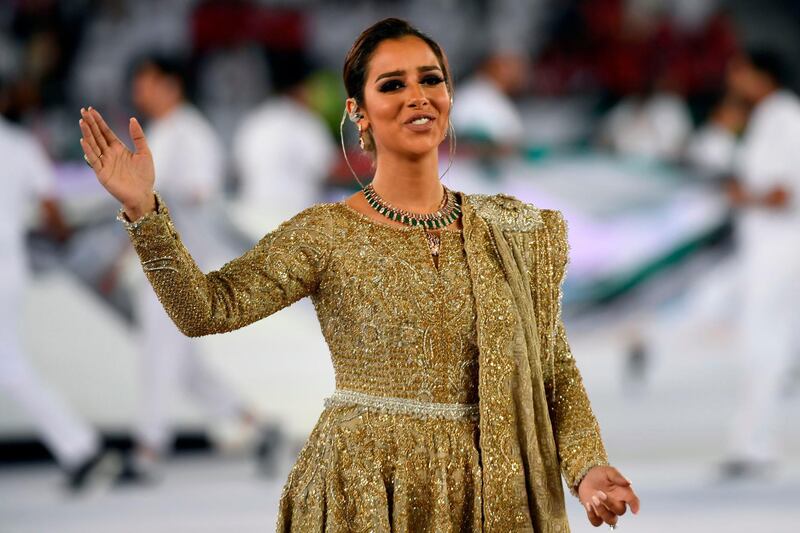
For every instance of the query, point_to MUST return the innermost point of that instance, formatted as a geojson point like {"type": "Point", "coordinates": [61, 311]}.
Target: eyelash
{"type": "Point", "coordinates": [390, 85]}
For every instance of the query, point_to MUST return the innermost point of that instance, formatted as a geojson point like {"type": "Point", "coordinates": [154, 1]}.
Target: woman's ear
{"type": "Point", "coordinates": [355, 113]}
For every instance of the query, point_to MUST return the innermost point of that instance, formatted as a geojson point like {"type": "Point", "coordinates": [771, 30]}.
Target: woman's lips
{"type": "Point", "coordinates": [425, 126]}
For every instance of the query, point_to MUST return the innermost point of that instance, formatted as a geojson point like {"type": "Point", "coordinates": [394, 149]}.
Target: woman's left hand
{"type": "Point", "coordinates": [605, 494]}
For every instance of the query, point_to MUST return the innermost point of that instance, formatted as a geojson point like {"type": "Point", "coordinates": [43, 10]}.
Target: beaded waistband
{"type": "Point", "coordinates": [451, 411]}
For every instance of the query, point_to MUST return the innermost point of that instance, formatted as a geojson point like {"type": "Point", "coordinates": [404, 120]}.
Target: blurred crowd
{"type": "Point", "coordinates": [242, 100]}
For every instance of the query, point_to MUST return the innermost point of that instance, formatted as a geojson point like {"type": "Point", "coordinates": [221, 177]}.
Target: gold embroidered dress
{"type": "Point", "coordinates": [457, 401]}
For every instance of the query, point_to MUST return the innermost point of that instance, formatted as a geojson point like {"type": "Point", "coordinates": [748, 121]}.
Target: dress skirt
{"type": "Point", "coordinates": [366, 470]}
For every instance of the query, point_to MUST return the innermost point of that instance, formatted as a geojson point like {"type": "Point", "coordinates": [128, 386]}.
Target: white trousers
{"type": "Point", "coordinates": [69, 438]}
{"type": "Point", "coordinates": [770, 318]}
{"type": "Point", "coordinates": [169, 363]}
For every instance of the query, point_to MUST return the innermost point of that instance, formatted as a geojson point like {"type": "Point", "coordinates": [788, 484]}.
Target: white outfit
{"type": "Point", "coordinates": [481, 109]}
{"type": "Point", "coordinates": [189, 165]}
{"type": "Point", "coordinates": [27, 178]}
{"type": "Point", "coordinates": [712, 151]}
{"type": "Point", "coordinates": [770, 262]}
{"type": "Point", "coordinates": [655, 128]}
{"type": "Point", "coordinates": [283, 154]}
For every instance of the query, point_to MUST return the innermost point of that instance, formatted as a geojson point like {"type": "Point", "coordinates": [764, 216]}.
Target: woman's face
{"type": "Point", "coordinates": [406, 101]}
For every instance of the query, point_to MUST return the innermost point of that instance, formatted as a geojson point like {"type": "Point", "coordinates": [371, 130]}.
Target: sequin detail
{"type": "Point", "coordinates": [507, 212]}
{"type": "Point", "coordinates": [450, 411]}
{"type": "Point", "coordinates": [133, 226]}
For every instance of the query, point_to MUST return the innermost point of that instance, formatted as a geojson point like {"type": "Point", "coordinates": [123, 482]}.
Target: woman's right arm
{"type": "Point", "coordinates": [281, 268]}
{"type": "Point", "coordinates": [284, 266]}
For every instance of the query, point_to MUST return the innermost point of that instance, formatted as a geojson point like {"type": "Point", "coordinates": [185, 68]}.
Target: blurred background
{"type": "Point", "coordinates": [667, 131]}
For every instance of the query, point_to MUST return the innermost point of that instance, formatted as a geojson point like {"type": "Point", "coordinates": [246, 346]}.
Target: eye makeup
{"type": "Point", "coordinates": [393, 85]}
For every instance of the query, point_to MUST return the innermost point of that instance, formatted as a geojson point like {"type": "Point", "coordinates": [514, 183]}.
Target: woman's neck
{"type": "Point", "coordinates": [412, 185]}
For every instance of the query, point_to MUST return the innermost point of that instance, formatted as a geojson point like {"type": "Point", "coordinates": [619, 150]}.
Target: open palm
{"type": "Point", "coordinates": [128, 176]}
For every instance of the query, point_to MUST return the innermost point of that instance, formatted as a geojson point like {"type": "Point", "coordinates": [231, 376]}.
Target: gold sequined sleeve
{"type": "Point", "coordinates": [284, 266]}
{"type": "Point", "coordinates": [580, 446]}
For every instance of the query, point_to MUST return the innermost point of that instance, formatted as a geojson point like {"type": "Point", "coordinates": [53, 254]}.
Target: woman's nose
{"type": "Point", "coordinates": [417, 96]}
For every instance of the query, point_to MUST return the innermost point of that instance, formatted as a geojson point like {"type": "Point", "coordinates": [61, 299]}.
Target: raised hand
{"type": "Point", "coordinates": [128, 176]}
{"type": "Point", "coordinates": [604, 493]}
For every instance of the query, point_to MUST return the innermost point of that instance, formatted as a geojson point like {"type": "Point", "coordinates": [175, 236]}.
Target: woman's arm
{"type": "Point", "coordinates": [575, 427]}
{"type": "Point", "coordinates": [602, 490]}
{"type": "Point", "coordinates": [284, 266]}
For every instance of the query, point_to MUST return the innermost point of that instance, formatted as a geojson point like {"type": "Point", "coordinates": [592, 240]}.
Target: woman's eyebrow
{"type": "Point", "coordinates": [393, 73]}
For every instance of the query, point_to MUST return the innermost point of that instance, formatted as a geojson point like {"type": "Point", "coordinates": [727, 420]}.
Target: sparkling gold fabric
{"type": "Point", "coordinates": [399, 327]}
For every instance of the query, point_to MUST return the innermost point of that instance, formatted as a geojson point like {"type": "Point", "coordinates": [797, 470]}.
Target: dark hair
{"type": "Point", "coordinates": [288, 69]}
{"type": "Point", "coordinates": [770, 62]}
{"type": "Point", "coordinates": [357, 60]}
{"type": "Point", "coordinates": [169, 65]}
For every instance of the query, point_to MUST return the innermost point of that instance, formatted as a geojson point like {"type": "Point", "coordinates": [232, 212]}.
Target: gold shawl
{"type": "Point", "coordinates": [529, 429]}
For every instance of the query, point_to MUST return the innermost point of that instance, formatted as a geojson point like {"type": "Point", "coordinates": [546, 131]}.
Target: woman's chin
{"type": "Point", "coordinates": [419, 150]}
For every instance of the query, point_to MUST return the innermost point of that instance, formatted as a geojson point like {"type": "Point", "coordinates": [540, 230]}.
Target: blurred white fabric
{"type": "Point", "coordinates": [480, 108]}
{"type": "Point", "coordinates": [769, 257]}
{"type": "Point", "coordinates": [656, 127]}
{"type": "Point", "coordinates": [27, 179]}
{"type": "Point", "coordinates": [712, 150]}
{"type": "Point", "coordinates": [189, 163]}
{"type": "Point", "coordinates": [283, 154]}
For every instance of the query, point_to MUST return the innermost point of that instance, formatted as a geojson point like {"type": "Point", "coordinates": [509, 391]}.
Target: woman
{"type": "Point", "coordinates": [429, 300]}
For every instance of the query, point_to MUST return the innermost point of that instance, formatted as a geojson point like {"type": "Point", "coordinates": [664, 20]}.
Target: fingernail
{"type": "Point", "coordinates": [602, 496]}
{"type": "Point", "coordinates": [588, 507]}
{"type": "Point", "coordinates": [595, 500]}
{"type": "Point", "coordinates": [90, 108]}
{"type": "Point", "coordinates": [628, 480]}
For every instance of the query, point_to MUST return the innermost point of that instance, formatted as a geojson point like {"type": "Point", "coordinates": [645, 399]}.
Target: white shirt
{"type": "Point", "coordinates": [480, 108]}
{"type": "Point", "coordinates": [27, 178]}
{"type": "Point", "coordinates": [283, 154]}
{"type": "Point", "coordinates": [189, 165]}
{"type": "Point", "coordinates": [655, 128]}
{"type": "Point", "coordinates": [770, 157]}
{"type": "Point", "coordinates": [188, 156]}
{"type": "Point", "coordinates": [712, 150]}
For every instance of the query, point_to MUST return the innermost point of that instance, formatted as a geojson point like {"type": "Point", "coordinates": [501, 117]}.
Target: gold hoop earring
{"type": "Point", "coordinates": [344, 150]}
{"type": "Point", "coordinates": [452, 151]}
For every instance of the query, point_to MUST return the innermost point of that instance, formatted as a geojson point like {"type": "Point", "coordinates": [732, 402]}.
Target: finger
{"type": "Point", "coordinates": [601, 511]}
{"type": "Point", "coordinates": [614, 505]}
{"type": "Point", "coordinates": [93, 159]}
{"type": "Point", "coordinates": [107, 133]}
{"type": "Point", "coordinates": [617, 478]}
{"type": "Point", "coordinates": [88, 116]}
{"type": "Point", "coordinates": [631, 498]}
{"type": "Point", "coordinates": [89, 137]}
{"type": "Point", "coordinates": [595, 520]}
{"type": "Point", "coordinates": [137, 134]}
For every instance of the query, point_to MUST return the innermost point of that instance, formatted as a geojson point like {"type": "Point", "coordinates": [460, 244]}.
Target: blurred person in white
{"type": "Point", "coordinates": [28, 179]}
{"type": "Point", "coordinates": [712, 149]}
{"type": "Point", "coordinates": [765, 194]}
{"type": "Point", "coordinates": [282, 150]}
{"type": "Point", "coordinates": [651, 125]}
{"type": "Point", "coordinates": [486, 112]}
{"type": "Point", "coordinates": [189, 158]}
{"type": "Point", "coordinates": [654, 121]}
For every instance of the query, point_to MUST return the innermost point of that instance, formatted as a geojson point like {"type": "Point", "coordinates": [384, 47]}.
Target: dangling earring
{"type": "Point", "coordinates": [344, 150]}
{"type": "Point", "coordinates": [360, 137]}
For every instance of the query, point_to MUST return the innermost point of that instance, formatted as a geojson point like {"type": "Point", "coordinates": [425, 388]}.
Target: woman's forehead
{"type": "Point", "coordinates": [407, 54]}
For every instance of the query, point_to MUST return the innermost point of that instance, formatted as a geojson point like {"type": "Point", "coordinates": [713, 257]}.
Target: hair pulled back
{"type": "Point", "coordinates": [357, 60]}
